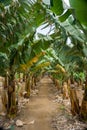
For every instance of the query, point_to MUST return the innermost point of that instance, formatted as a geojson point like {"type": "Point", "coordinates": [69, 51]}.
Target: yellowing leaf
{"type": "Point", "coordinates": [23, 67]}
{"type": "Point", "coordinates": [60, 68]}
{"type": "Point", "coordinates": [35, 59]}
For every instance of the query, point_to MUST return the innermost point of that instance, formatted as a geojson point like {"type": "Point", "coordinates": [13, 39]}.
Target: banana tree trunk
{"type": "Point", "coordinates": [83, 112]}
{"type": "Point", "coordinates": [4, 96]}
{"type": "Point", "coordinates": [32, 82]}
{"type": "Point", "coordinates": [65, 91]}
{"type": "Point", "coordinates": [74, 101]}
{"type": "Point", "coordinates": [24, 77]}
{"type": "Point", "coordinates": [57, 84]}
{"type": "Point", "coordinates": [75, 109]}
{"type": "Point", "coordinates": [12, 107]}
{"type": "Point", "coordinates": [35, 80]}
{"type": "Point", "coordinates": [27, 86]}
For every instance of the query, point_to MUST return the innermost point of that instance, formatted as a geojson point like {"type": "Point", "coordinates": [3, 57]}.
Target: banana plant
{"type": "Point", "coordinates": [80, 18]}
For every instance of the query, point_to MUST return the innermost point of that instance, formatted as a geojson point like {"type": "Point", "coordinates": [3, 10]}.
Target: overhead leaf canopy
{"type": "Point", "coordinates": [18, 24]}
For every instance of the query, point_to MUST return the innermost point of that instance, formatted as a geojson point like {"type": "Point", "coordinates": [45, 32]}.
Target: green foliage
{"type": "Point", "coordinates": [4, 63]}
{"type": "Point", "coordinates": [85, 50]}
{"type": "Point", "coordinates": [79, 76]}
{"type": "Point", "coordinates": [74, 30]}
{"type": "Point", "coordinates": [80, 7]}
{"type": "Point", "coordinates": [65, 15]}
{"type": "Point", "coordinates": [41, 44]}
{"type": "Point", "coordinates": [18, 24]}
{"type": "Point", "coordinates": [57, 7]}
{"type": "Point", "coordinates": [6, 2]}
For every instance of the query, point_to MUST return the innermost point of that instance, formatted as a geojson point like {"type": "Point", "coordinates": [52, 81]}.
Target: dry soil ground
{"type": "Point", "coordinates": [40, 109]}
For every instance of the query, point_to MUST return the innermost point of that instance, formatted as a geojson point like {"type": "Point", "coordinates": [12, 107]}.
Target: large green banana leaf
{"type": "Point", "coordinates": [80, 7]}
{"type": "Point", "coordinates": [74, 31]}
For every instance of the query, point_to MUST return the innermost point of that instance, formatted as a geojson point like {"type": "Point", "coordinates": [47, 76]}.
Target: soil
{"type": "Point", "coordinates": [41, 108]}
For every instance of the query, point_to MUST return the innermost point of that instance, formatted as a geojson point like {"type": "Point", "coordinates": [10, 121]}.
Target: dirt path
{"type": "Point", "coordinates": [40, 109]}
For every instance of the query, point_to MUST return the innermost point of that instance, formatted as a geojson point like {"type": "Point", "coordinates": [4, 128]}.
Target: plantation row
{"type": "Point", "coordinates": [62, 54]}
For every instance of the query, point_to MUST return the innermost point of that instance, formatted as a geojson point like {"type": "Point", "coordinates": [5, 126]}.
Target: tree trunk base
{"type": "Point", "coordinates": [12, 106]}
{"type": "Point", "coordinates": [83, 113]}
{"type": "Point", "coordinates": [65, 91]}
{"type": "Point", "coordinates": [75, 109]}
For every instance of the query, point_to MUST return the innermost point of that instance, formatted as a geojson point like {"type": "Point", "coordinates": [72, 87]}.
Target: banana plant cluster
{"type": "Point", "coordinates": [73, 25]}
{"type": "Point", "coordinates": [70, 26]}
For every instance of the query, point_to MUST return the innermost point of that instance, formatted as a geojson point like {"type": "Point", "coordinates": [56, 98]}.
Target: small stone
{"type": "Point", "coordinates": [2, 114]}
{"type": "Point", "coordinates": [19, 123]}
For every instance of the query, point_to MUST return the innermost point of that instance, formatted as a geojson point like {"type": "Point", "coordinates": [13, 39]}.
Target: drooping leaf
{"type": "Point", "coordinates": [65, 15]}
{"type": "Point", "coordinates": [74, 31]}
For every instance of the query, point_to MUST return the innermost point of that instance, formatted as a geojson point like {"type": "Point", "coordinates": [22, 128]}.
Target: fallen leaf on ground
{"type": "Point", "coordinates": [31, 122]}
